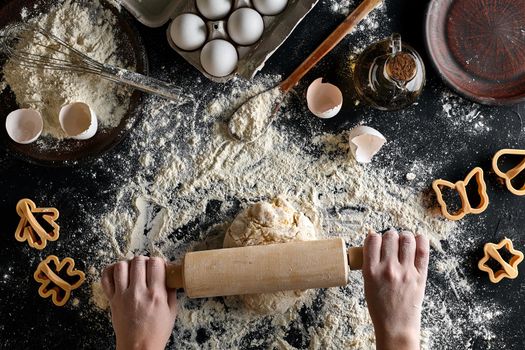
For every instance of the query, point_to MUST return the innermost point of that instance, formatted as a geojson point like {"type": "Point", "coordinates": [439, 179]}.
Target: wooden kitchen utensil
{"type": "Point", "coordinates": [265, 269]}
{"type": "Point", "coordinates": [326, 46]}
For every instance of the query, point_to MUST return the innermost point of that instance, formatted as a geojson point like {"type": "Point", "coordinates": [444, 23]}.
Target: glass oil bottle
{"type": "Point", "coordinates": [389, 75]}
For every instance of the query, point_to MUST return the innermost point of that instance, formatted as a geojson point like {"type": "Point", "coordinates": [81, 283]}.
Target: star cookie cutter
{"type": "Point", "coordinates": [460, 187]}
{"type": "Point", "coordinates": [52, 284]}
{"type": "Point", "coordinates": [30, 230]}
{"type": "Point", "coordinates": [508, 270]}
{"type": "Point", "coordinates": [512, 173]}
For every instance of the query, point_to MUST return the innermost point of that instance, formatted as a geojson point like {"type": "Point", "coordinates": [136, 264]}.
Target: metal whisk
{"type": "Point", "coordinates": [56, 54]}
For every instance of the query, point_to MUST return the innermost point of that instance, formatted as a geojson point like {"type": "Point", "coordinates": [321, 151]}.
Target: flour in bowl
{"type": "Point", "coordinates": [89, 30]}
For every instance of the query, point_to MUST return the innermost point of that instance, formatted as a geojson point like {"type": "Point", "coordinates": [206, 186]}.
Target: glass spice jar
{"type": "Point", "coordinates": [389, 74]}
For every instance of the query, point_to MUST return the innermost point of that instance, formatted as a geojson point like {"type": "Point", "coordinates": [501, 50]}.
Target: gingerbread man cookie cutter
{"type": "Point", "coordinates": [512, 173]}
{"type": "Point", "coordinates": [508, 270]}
{"type": "Point", "coordinates": [52, 284]}
{"type": "Point", "coordinates": [30, 230]}
{"type": "Point", "coordinates": [461, 188]}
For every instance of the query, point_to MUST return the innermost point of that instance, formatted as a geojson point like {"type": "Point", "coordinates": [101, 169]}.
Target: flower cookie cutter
{"type": "Point", "coordinates": [460, 187]}
{"type": "Point", "coordinates": [508, 270]}
{"type": "Point", "coordinates": [53, 284]}
{"type": "Point", "coordinates": [30, 230]}
{"type": "Point", "coordinates": [512, 173]}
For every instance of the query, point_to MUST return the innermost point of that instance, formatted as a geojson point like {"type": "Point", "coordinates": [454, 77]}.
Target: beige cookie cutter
{"type": "Point", "coordinates": [60, 290]}
{"type": "Point", "coordinates": [30, 230]}
{"type": "Point", "coordinates": [508, 270]}
{"type": "Point", "coordinates": [461, 188]}
{"type": "Point", "coordinates": [512, 173]}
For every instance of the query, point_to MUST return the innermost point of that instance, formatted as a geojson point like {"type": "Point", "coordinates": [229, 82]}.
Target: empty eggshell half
{"type": "Point", "coordinates": [78, 121]}
{"type": "Point", "coordinates": [24, 125]}
{"type": "Point", "coordinates": [324, 99]}
{"type": "Point", "coordinates": [365, 143]}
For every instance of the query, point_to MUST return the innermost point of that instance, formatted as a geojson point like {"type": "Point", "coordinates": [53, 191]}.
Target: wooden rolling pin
{"type": "Point", "coordinates": [265, 269]}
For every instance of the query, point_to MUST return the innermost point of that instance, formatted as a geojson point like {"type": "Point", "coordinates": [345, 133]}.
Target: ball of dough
{"type": "Point", "coordinates": [267, 223]}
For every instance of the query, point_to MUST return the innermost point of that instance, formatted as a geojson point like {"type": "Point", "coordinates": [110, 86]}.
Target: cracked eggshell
{"type": "Point", "coordinates": [78, 121]}
{"type": "Point", "coordinates": [324, 99]}
{"type": "Point", "coordinates": [24, 125]}
{"type": "Point", "coordinates": [365, 143]}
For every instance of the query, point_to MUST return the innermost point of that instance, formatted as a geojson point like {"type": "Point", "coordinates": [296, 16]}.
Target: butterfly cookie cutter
{"type": "Point", "coordinates": [461, 188]}
{"type": "Point", "coordinates": [52, 279]}
{"type": "Point", "coordinates": [508, 270]}
{"type": "Point", "coordinates": [512, 173]}
{"type": "Point", "coordinates": [30, 230]}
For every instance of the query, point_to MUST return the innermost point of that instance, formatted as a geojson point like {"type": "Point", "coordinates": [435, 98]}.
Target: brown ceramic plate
{"type": "Point", "coordinates": [478, 47]}
{"type": "Point", "coordinates": [56, 153]}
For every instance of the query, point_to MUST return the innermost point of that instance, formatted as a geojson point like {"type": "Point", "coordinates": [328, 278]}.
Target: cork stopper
{"type": "Point", "coordinates": [401, 67]}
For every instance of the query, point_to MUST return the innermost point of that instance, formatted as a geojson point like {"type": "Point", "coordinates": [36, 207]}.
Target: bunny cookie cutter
{"type": "Point", "coordinates": [52, 284]}
{"type": "Point", "coordinates": [30, 230]}
{"type": "Point", "coordinates": [460, 187]}
{"type": "Point", "coordinates": [508, 269]}
{"type": "Point", "coordinates": [512, 173]}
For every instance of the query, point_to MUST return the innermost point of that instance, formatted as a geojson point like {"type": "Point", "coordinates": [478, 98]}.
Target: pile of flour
{"type": "Point", "coordinates": [91, 30]}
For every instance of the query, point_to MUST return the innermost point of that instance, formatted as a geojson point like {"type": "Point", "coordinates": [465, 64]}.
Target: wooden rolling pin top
{"type": "Point", "coordinates": [324, 261]}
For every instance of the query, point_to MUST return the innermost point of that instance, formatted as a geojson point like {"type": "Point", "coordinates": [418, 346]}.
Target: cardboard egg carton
{"type": "Point", "coordinates": [251, 58]}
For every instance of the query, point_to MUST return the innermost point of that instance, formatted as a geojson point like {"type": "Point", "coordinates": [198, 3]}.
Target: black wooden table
{"type": "Point", "coordinates": [28, 321]}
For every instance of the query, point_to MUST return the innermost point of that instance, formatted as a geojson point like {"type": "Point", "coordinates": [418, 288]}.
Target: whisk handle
{"type": "Point", "coordinates": [144, 83]}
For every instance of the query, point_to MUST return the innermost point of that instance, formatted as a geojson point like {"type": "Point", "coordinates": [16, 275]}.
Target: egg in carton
{"type": "Point", "coordinates": [224, 38]}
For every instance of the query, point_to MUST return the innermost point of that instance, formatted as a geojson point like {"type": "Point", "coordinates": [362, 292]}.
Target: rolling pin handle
{"type": "Point", "coordinates": [355, 258]}
{"type": "Point", "coordinates": [174, 276]}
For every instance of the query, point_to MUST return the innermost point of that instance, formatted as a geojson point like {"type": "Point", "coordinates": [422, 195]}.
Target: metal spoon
{"type": "Point", "coordinates": [238, 126]}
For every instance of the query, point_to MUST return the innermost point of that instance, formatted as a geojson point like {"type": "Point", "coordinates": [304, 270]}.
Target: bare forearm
{"type": "Point", "coordinates": [408, 341]}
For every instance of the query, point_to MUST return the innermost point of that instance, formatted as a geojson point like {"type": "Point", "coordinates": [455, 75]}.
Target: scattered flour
{"type": "Point", "coordinates": [193, 180]}
{"type": "Point", "coordinates": [342, 7]}
{"type": "Point", "coordinates": [464, 115]}
{"type": "Point", "coordinates": [187, 198]}
{"type": "Point", "coordinates": [252, 118]}
{"type": "Point", "coordinates": [89, 30]}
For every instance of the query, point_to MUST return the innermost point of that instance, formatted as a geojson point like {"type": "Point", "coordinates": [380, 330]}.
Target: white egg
{"type": "Point", "coordinates": [219, 58]}
{"type": "Point", "coordinates": [188, 31]}
{"type": "Point", "coordinates": [245, 26]}
{"type": "Point", "coordinates": [270, 7]}
{"type": "Point", "coordinates": [214, 9]}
